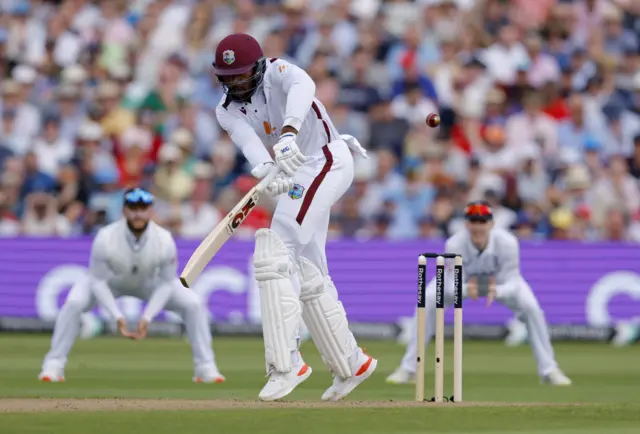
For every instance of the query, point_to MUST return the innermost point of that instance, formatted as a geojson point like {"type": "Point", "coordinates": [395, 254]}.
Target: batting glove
{"type": "Point", "coordinates": [262, 169]}
{"type": "Point", "coordinates": [288, 156]}
{"type": "Point", "coordinates": [280, 184]}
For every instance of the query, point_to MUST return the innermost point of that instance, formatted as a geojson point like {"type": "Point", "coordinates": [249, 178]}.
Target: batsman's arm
{"type": "Point", "coordinates": [300, 90]}
{"type": "Point", "coordinates": [244, 137]}
{"type": "Point", "coordinates": [99, 274]}
{"type": "Point", "coordinates": [169, 281]}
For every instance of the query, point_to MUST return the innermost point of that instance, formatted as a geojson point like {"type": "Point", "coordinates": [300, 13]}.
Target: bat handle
{"type": "Point", "coordinates": [264, 183]}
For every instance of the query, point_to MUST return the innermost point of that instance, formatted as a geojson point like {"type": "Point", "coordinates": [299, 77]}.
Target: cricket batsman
{"type": "Point", "coordinates": [270, 103]}
{"type": "Point", "coordinates": [491, 264]}
{"type": "Point", "coordinates": [133, 257]}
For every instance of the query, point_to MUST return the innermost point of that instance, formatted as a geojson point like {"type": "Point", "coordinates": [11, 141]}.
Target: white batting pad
{"type": "Point", "coordinates": [279, 302]}
{"type": "Point", "coordinates": [326, 320]}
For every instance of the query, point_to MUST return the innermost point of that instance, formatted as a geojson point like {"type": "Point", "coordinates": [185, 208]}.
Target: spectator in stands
{"type": "Point", "coordinates": [35, 180]}
{"type": "Point", "coordinates": [539, 104]}
{"type": "Point", "coordinates": [72, 112]}
{"type": "Point", "coordinates": [352, 222]}
{"type": "Point", "coordinates": [41, 217]}
{"type": "Point", "coordinates": [506, 55]}
{"type": "Point", "coordinates": [223, 161]}
{"type": "Point", "coordinates": [198, 122]}
{"type": "Point", "coordinates": [412, 105]}
{"type": "Point", "coordinates": [172, 183]}
{"type": "Point", "coordinates": [617, 190]}
{"type": "Point", "coordinates": [357, 90]}
{"type": "Point", "coordinates": [198, 216]}
{"type": "Point", "coordinates": [51, 150]}
{"type": "Point", "coordinates": [115, 119]}
{"type": "Point", "coordinates": [135, 149]}
{"type": "Point", "coordinates": [9, 224]}
{"type": "Point", "coordinates": [634, 160]}
{"type": "Point", "coordinates": [387, 131]}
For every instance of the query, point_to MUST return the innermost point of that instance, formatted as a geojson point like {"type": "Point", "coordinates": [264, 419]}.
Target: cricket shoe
{"type": "Point", "coordinates": [52, 375]}
{"type": "Point", "coordinates": [556, 377]}
{"type": "Point", "coordinates": [208, 375]}
{"type": "Point", "coordinates": [281, 384]}
{"type": "Point", "coordinates": [401, 376]}
{"type": "Point", "coordinates": [342, 387]}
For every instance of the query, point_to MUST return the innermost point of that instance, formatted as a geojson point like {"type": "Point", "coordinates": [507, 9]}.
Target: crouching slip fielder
{"type": "Point", "coordinates": [272, 102]}
{"type": "Point", "coordinates": [491, 261]}
{"type": "Point", "coordinates": [133, 257]}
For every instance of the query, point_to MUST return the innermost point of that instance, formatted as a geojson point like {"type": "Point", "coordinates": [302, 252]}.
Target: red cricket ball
{"type": "Point", "coordinates": [433, 120]}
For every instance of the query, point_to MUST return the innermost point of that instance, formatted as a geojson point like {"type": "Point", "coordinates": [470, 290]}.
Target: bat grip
{"type": "Point", "coordinates": [264, 183]}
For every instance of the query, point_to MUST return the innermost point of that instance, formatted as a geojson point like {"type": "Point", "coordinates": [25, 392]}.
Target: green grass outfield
{"type": "Point", "coordinates": [145, 387]}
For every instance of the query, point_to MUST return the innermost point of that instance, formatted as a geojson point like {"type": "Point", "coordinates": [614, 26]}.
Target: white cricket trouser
{"type": "Point", "coordinates": [522, 302]}
{"type": "Point", "coordinates": [182, 301]}
{"type": "Point", "coordinates": [303, 223]}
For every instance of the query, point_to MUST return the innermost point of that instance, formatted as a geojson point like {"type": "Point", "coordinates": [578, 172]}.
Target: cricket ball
{"type": "Point", "coordinates": [433, 120]}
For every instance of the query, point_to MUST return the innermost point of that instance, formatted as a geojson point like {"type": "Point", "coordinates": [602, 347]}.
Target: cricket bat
{"type": "Point", "coordinates": [223, 231]}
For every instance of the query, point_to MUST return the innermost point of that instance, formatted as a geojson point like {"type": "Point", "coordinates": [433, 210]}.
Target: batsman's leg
{"type": "Point", "coordinates": [326, 319]}
{"type": "Point", "coordinates": [524, 304]}
{"type": "Point", "coordinates": [193, 311]}
{"type": "Point", "coordinates": [303, 225]}
{"type": "Point", "coordinates": [280, 311]}
{"type": "Point", "coordinates": [322, 311]}
{"type": "Point", "coordinates": [65, 331]}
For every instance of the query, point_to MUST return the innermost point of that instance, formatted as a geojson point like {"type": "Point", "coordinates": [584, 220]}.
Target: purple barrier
{"type": "Point", "coordinates": [581, 284]}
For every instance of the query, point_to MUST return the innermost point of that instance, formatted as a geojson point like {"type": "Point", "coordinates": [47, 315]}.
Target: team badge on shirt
{"type": "Point", "coordinates": [228, 57]}
{"type": "Point", "coordinates": [296, 192]}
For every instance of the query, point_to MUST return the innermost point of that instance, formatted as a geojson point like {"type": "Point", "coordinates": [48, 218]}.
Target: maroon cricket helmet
{"type": "Point", "coordinates": [237, 54]}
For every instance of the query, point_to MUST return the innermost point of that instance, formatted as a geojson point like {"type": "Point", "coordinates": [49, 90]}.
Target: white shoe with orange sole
{"type": "Point", "coordinates": [281, 384]}
{"type": "Point", "coordinates": [208, 375]}
{"type": "Point", "coordinates": [341, 388]}
{"type": "Point", "coordinates": [51, 375]}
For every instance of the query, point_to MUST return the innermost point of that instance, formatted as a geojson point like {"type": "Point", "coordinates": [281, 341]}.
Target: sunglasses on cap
{"type": "Point", "coordinates": [138, 196]}
{"type": "Point", "coordinates": [478, 212]}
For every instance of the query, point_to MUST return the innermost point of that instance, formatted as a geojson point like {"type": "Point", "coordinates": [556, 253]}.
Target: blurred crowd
{"type": "Point", "coordinates": [539, 102]}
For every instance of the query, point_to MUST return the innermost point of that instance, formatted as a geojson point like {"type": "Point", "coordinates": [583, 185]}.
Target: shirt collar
{"type": "Point", "coordinates": [489, 248]}
{"type": "Point", "coordinates": [135, 243]}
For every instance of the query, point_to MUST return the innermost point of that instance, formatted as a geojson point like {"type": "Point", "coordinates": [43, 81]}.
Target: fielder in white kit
{"type": "Point", "coordinates": [491, 264]}
{"type": "Point", "coordinates": [133, 257]}
{"type": "Point", "coordinates": [270, 102]}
